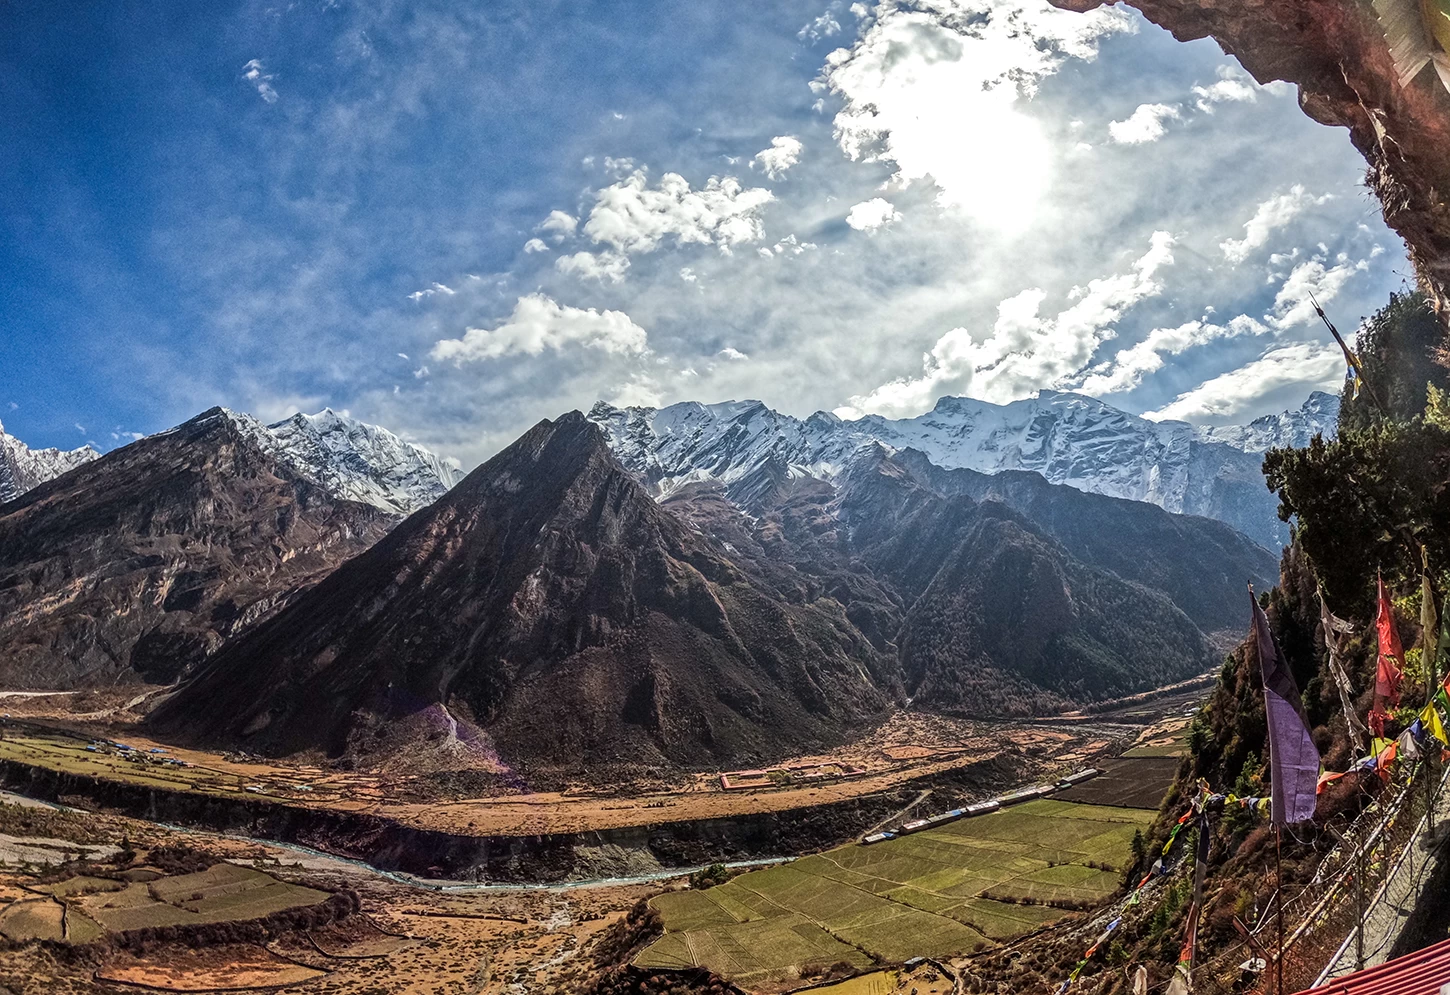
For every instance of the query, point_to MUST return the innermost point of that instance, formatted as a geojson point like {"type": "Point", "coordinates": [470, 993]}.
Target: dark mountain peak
{"type": "Point", "coordinates": [549, 605]}
{"type": "Point", "coordinates": [197, 529]}
{"type": "Point", "coordinates": [560, 474]}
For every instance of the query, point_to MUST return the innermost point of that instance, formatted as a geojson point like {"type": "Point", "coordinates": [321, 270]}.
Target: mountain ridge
{"type": "Point", "coordinates": [358, 461]}
{"type": "Point", "coordinates": [351, 459]}
{"type": "Point", "coordinates": [1067, 438]}
{"type": "Point", "coordinates": [22, 468]}
{"type": "Point", "coordinates": [136, 565]}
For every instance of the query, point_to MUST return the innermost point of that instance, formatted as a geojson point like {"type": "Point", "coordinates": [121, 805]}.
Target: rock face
{"type": "Point", "coordinates": [546, 612]}
{"type": "Point", "coordinates": [1319, 415]}
{"type": "Point", "coordinates": [136, 564]}
{"type": "Point", "coordinates": [1199, 564]}
{"type": "Point", "coordinates": [22, 468]}
{"type": "Point", "coordinates": [1067, 438]}
{"type": "Point", "coordinates": [1335, 51]}
{"type": "Point", "coordinates": [1001, 594]}
{"type": "Point", "coordinates": [359, 462]}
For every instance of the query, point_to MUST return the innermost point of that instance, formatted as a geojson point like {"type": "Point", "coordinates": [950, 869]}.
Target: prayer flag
{"type": "Point", "coordinates": [1430, 719]}
{"type": "Point", "coordinates": [1333, 627]}
{"type": "Point", "coordinates": [1391, 656]}
{"type": "Point", "coordinates": [1293, 757]}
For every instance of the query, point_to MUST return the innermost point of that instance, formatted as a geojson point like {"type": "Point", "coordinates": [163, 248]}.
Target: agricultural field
{"type": "Point", "coordinates": [954, 889]}
{"type": "Point", "coordinates": [56, 733]}
{"type": "Point", "coordinates": [1168, 739]}
{"type": "Point", "coordinates": [1130, 782]}
{"type": "Point", "coordinates": [83, 908]}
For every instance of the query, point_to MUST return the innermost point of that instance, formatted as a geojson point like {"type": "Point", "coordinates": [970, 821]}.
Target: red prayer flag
{"type": "Point", "coordinates": [1391, 656]}
{"type": "Point", "coordinates": [1377, 717]}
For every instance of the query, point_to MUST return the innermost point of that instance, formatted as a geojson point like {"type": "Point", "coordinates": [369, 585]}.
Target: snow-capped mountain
{"type": "Point", "coordinates": [22, 468]}
{"type": "Point", "coordinates": [1067, 438]}
{"type": "Point", "coordinates": [347, 458]}
{"type": "Point", "coordinates": [1318, 415]}
{"type": "Point", "coordinates": [361, 462]}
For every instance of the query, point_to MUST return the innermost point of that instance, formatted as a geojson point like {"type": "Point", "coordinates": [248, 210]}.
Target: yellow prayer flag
{"type": "Point", "coordinates": [1430, 718]}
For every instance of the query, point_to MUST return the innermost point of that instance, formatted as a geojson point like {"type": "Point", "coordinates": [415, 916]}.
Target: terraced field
{"type": "Point", "coordinates": [82, 908]}
{"type": "Point", "coordinates": [945, 891]}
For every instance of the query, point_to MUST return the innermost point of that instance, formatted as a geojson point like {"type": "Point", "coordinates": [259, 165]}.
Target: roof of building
{"type": "Point", "coordinates": [1420, 973]}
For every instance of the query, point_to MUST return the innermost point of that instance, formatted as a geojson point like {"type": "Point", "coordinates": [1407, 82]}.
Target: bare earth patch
{"type": "Point", "coordinates": [179, 969]}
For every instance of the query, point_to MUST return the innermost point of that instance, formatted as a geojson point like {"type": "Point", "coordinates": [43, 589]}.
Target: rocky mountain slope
{"type": "Point", "coordinates": [548, 614]}
{"type": "Point", "coordinates": [1200, 564]}
{"type": "Point", "coordinates": [355, 461]}
{"type": "Point", "coordinates": [22, 468]}
{"type": "Point", "coordinates": [1067, 438]}
{"type": "Point", "coordinates": [1002, 594]}
{"type": "Point", "coordinates": [1004, 619]}
{"type": "Point", "coordinates": [136, 564]}
{"type": "Point", "coordinates": [349, 459]}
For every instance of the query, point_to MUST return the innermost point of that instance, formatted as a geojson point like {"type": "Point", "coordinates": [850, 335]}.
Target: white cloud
{"type": "Point", "coordinates": [1232, 86]}
{"type": "Point", "coordinates": [1127, 369]}
{"type": "Point", "coordinates": [822, 27]}
{"type": "Point", "coordinates": [1146, 124]}
{"type": "Point", "coordinates": [1269, 217]}
{"type": "Point", "coordinates": [1026, 350]}
{"type": "Point", "coordinates": [632, 217]}
{"type": "Point", "coordinates": [784, 152]}
{"type": "Point", "coordinates": [253, 73]}
{"type": "Point", "coordinates": [793, 246]}
{"type": "Point", "coordinates": [402, 355]}
{"type": "Point", "coordinates": [1292, 305]}
{"type": "Point", "coordinates": [687, 274]}
{"type": "Point", "coordinates": [535, 245]}
{"type": "Point", "coordinates": [1294, 369]}
{"type": "Point", "coordinates": [732, 353]}
{"type": "Point", "coordinates": [437, 288]}
{"type": "Point", "coordinates": [421, 372]}
{"type": "Point", "coordinates": [80, 428]}
{"type": "Point", "coordinates": [600, 266]}
{"type": "Point", "coordinates": [872, 214]}
{"type": "Point", "coordinates": [641, 391]}
{"type": "Point", "coordinates": [925, 83]}
{"type": "Point", "coordinates": [560, 224]}
{"type": "Point", "coordinates": [539, 323]}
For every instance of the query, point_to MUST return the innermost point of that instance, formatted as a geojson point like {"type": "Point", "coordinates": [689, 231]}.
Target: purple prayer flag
{"type": "Point", "coordinates": [1293, 758]}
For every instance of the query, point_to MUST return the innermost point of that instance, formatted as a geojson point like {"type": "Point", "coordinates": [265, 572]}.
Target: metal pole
{"type": "Point", "coordinates": [1279, 890]}
{"type": "Point", "coordinates": [1359, 905]}
{"type": "Point", "coordinates": [1348, 357]}
{"type": "Point", "coordinates": [1429, 771]}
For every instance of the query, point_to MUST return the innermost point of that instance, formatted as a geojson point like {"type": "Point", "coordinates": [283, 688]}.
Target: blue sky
{"type": "Point", "coordinates": [453, 219]}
